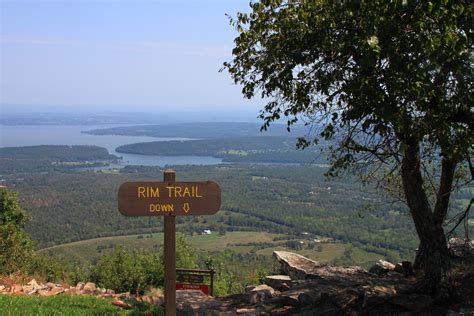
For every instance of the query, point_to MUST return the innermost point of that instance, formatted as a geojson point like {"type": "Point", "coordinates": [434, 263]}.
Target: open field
{"type": "Point", "coordinates": [89, 251]}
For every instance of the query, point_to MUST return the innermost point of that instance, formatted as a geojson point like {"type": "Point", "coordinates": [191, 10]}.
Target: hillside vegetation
{"type": "Point", "coordinates": [270, 149]}
{"type": "Point", "coordinates": [68, 207]}
{"type": "Point", "coordinates": [199, 130]}
{"type": "Point", "coordinates": [52, 158]}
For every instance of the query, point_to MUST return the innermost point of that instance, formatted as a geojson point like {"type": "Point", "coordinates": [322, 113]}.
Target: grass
{"type": "Point", "coordinates": [68, 305]}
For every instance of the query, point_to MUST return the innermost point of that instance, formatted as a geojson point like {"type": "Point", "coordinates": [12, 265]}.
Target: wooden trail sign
{"type": "Point", "coordinates": [169, 198]}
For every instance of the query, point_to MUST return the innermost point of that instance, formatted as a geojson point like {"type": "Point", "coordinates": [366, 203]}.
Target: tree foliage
{"type": "Point", "coordinates": [125, 271]}
{"type": "Point", "coordinates": [389, 82]}
{"type": "Point", "coordinates": [367, 68]}
{"type": "Point", "coordinates": [16, 247]}
{"type": "Point", "coordinates": [134, 271]}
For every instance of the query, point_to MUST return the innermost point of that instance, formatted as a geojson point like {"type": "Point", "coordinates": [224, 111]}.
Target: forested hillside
{"type": "Point", "coordinates": [269, 149]}
{"type": "Point", "coordinates": [52, 157]}
{"type": "Point", "coordinates": [200, 130]}
{"type": "Point", "coordinates": [291, 199]}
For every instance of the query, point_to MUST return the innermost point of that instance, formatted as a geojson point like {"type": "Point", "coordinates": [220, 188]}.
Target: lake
{"type": "Point", "coordinates": [31, 135]}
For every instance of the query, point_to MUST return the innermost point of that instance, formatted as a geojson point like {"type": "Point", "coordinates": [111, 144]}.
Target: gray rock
{"type": "Point", "coordinates": [309, 297]}
{"type": "Point", "coordinates": [264, 287]}
{"type": "Point", "coordinates": [377, 269]}
{"type": "Point", "coordinates": [260, 293]}
{"type": "Point", "coordinates": [302, 268]}
{"type": "Point", "coordinates": [295, 265]}
{"type": "Point", "coordinates": [387, 265]}
{"type": "Point", "coordinates": [382, 267]}
{"type": "Point", "coordinates": [279, 282]}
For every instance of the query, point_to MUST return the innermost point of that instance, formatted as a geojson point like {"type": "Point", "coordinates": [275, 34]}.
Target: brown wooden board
{"type": "Point", "coordinates": [169, 198]}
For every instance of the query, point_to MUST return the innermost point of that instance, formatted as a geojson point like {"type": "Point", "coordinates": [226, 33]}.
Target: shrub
{"type": "Point", "coordinates": [125, 271]}
{"type": "Point", "coordinates": [16, 247]}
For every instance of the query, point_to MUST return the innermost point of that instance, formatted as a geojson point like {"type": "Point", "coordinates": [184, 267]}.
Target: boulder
{"type": "Point", "coordinates": [259, 293]}
{"type": "Point", "coordinates": [285, 300]}
{"type": "Point", "coordinates": [50, 285]}
{"type": "Point", "coordinates": [51, 292]}
{"type": "Point", "coordinates": [382, 267]}
{"type": "Point", "coordinates": [302, 268]}
{"type": "Point", "coordinates": [309, 297]}
{"type": "Point", "coordinates": [279, 282]}
{"type": "Point", "coordinates": [89, 288]}
{"type": "Point", "coordinates": [16, 289]}
{"type": "Point", "coordinates": [387, 265]}
{"type": "Point", "coordinates": [109, 292]}
{"type": "Point", "coordinates": [33, 283]}
{"type": "Point", "coordinates": [121, 304]}
{"type": "Point", "coordinates": [30, 289]}
{"type": "Point", "coordinates": [56, 290]}
{"type": "Point", "coordinates": [80, 286]}
{"type": "Point", "coordinates": [295, 265]}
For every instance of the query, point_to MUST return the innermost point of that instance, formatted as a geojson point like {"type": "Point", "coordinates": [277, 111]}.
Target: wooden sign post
{"type": "Point", "coordinates": [169, 177]}
{"type": "Point", "coordinates": [169, 199]}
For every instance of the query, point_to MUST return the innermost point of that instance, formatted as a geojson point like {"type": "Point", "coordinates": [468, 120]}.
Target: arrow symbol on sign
{"type": "Point", "coordinates": [186, 207]}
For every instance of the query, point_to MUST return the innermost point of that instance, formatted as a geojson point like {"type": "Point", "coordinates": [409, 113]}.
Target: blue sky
{"type": "Point", "coordinates": [134, 54]}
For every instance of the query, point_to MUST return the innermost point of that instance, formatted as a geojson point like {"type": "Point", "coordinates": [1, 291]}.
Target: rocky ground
{"type": "Point", "coordinates": [306, 287]}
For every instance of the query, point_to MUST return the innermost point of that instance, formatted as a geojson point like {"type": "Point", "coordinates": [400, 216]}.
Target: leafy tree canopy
{"type": "Point", "coordinates": [390, 82]}
{"type": "Point", "coordinates": [379, 71]}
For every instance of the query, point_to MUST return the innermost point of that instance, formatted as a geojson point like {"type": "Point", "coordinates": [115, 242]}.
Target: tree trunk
{"type": "Point", "coordinates": [432, 256]}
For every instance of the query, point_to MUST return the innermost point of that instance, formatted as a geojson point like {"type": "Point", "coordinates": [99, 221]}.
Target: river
{"type": "Point", "coordinates": [31, 135]}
